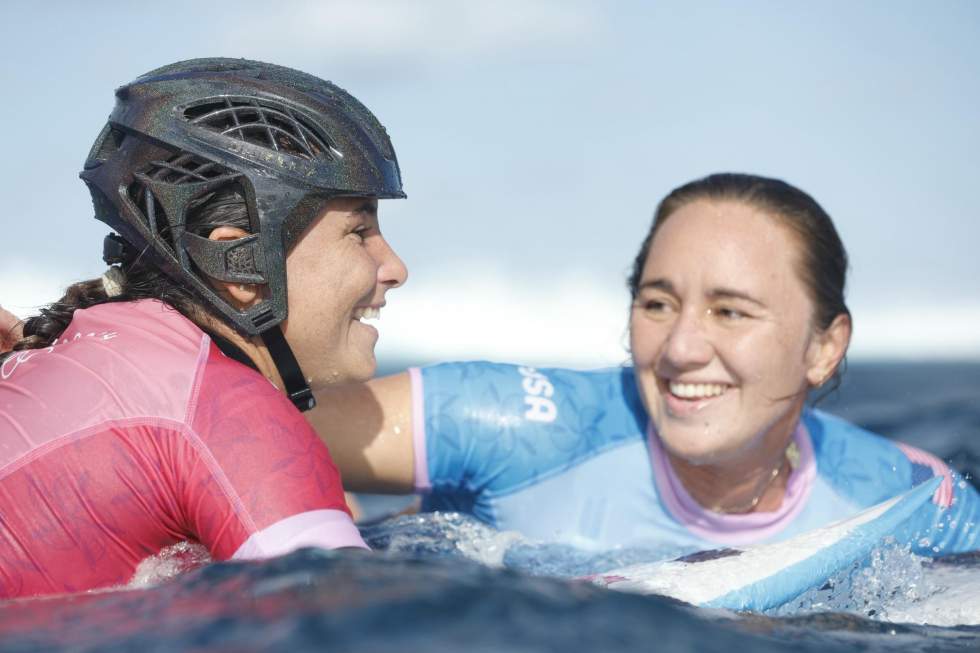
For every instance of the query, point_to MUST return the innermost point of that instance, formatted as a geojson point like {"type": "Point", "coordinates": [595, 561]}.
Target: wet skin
{"type": "Point", "coordinates": [725, 348]}
{"type": "Point", "coordinates": [341, 265]}
{"type": "Point", "coordinates": [337, 273]}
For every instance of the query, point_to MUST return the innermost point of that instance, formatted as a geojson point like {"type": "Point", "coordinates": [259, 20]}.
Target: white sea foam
{"type": "Point", "coordinates": [897, 586]}
{"type": "Point", "coordinates": [168, 563]}
{"type": "Point", "coordinates": [445, 531]}
{"type": "Point", "coordinates": [490, 550]}
{"type": "Point", "coordinates": [953, 601]}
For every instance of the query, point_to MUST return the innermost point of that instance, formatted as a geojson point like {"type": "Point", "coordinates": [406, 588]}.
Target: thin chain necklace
{"type": "Point", "coordinates": [791, 455]}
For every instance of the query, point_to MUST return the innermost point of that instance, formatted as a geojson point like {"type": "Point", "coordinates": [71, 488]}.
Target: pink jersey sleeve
{"type": "Point", "coordinates": [262, 483]}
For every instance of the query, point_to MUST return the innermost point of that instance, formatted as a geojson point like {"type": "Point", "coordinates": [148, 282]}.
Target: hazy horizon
{"type": "Point", "coordinates": [537, 136]}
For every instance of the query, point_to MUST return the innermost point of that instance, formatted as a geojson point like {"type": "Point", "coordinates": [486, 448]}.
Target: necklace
{"type": "Point", "coordinates": [790, 455]}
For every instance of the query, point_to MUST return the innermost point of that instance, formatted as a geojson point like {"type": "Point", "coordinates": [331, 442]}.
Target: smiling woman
{"type": "Point", "coordinates": [724, 354]}
{"type": "Point", "coordinates": [345, 263]}
{"type": "Point", "coordinates": [349, 265]}
{"type": "Point", "coordinates": [161, 403]}
{"type": "Point", "coordinates": [737, 314]}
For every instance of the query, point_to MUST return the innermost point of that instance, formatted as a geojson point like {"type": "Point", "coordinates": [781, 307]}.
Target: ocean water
{"type": "Point", "coordinates": [445, 582]}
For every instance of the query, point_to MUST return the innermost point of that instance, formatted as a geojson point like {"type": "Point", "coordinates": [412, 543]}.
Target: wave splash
{"type": "Point", "coordinates": [893, 586]}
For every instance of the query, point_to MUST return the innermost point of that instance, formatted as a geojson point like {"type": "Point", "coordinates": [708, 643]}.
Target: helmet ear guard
{"type": "Point", "coordinates": [234, 261]}
{"type": "Point", "coordinates": [243, 260]}
{"type": "Point", "coordinates": [155, 204]}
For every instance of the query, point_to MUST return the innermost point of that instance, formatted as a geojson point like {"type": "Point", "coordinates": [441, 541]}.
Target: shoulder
{"type": "Point", "coordinates": [260, 442]}
{"type": "Point", "coordinates": [144, 319]}
{"type": "Point", "coordinates": [835, 435]}
{"type": "Point", "coordinates": [119, 361]}
{"type": "Point", "coordinates": [867, 467]}
{"type": "Point", "coordinates": [153, 337]}
{"type": "Point", "coordinates": [229, 392]}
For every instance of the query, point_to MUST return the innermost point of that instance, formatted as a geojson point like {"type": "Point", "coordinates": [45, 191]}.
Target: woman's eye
{"type": "Point", "coordinates": [654, 306]}
{"type": "Point", "coordinates": [729, 314]}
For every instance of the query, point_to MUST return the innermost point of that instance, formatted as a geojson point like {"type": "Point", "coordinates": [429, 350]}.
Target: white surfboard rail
{"type": "Point", "coordinates": [764, 576]}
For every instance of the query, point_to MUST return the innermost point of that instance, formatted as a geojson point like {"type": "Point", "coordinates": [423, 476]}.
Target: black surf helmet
{"type": "Point", "coordinates": [289, 140]}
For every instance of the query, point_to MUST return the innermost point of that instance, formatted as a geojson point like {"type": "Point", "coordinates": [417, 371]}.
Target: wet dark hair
{"type": "Point", "coordinates": [823, 260]}
{"type": "Point", "coordinates": [143, 278]}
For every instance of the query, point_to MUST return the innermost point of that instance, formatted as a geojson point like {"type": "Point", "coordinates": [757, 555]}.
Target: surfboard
{"type": "Point", "coordinates": [764, 576]}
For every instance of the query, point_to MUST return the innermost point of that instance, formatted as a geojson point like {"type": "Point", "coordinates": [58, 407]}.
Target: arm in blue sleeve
{"type": "Point", "coordinates": [471, 411]}
{"type": "Point", "coordinates": [491, 429]}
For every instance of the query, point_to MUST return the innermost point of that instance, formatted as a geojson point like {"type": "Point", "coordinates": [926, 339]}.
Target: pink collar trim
{"type": "Point", "coordinates": [733, 529]}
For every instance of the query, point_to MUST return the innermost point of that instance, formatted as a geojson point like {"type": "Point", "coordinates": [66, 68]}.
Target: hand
{"type": "Point", "coordinates": [11, 329]}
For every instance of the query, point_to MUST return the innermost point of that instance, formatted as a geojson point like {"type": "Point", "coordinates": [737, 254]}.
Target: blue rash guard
{"type": "Point", "coordinates": [564, 455]}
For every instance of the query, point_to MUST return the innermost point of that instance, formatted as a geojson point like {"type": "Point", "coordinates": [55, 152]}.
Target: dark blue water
{"type": "Point", "coordinates": [423, 591]}
{"type": "Point", "coordinates": [322, 601]}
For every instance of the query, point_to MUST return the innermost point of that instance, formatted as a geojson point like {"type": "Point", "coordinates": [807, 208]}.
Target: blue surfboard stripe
{"type": "Point", "coordinates": [789, 582]}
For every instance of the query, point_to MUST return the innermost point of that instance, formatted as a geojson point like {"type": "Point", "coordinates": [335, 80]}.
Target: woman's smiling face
{"type": "Point", "coordinates": [338, 274]}
{"type": "Point", "coordinates": [722, 333]}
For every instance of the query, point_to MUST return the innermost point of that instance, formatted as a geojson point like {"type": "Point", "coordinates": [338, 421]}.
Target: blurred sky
{"type": "Point", "coordinates": [536, 137]}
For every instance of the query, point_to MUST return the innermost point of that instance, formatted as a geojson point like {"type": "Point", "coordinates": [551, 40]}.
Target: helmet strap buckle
{"type": "Point", "coordinates": [292, 376]}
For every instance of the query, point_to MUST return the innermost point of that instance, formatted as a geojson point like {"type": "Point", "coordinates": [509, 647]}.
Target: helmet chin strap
{"type": "Point", "coordinates": [292, 376]}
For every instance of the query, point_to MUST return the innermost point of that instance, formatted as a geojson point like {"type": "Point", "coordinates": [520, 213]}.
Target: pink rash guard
{"type": "Point", "coordinates": [134, 432]}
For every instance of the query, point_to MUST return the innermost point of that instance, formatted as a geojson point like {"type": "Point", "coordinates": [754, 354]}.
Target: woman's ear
{"type": "Point", "coordinates": [242, 295]}
{"type": "Point", "coordinates": [827, 350]}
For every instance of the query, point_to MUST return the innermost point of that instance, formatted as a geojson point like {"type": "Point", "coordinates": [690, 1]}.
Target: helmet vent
{"type": "Point", "coordinates": [267, 124]}
{"type": "Point", "coordinates": [106, 145]}
{"type": "Point", "coordinates": [183, 168]}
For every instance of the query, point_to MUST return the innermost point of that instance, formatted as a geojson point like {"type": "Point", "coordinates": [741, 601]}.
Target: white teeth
{"type": "Point", "coordinates": [696, 390]}
{"type": "Point", "coordinates": [367, 313]}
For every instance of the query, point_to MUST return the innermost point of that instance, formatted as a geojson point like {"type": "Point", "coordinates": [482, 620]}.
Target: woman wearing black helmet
{"type": "Point", "coordinates": [162, 402]}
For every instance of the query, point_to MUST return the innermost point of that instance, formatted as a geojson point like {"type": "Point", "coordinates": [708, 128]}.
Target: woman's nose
{"type": "Point", "coordinates": [688, 346]}
{"type": "Point", "coordinates": [392, 271]}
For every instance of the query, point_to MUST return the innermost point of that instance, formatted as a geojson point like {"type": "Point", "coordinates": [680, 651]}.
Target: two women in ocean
{"type": "Point", "coordinates": [737, 312]}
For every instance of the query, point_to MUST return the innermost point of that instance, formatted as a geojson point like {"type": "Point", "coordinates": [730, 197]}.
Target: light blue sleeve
{"type": "Point", "coordinates": [491, 429]}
